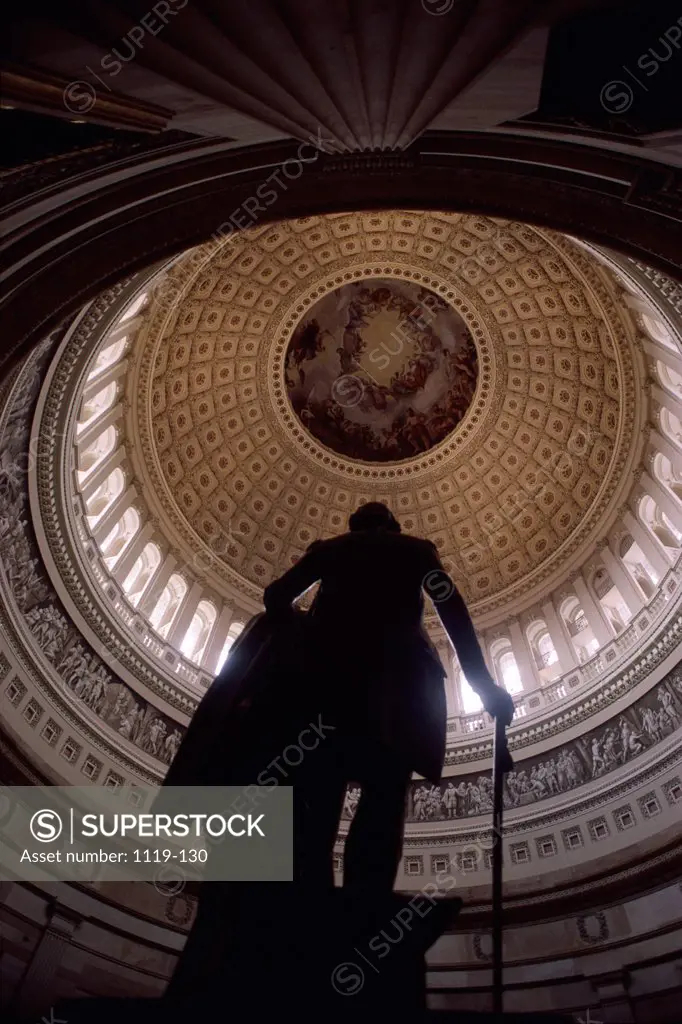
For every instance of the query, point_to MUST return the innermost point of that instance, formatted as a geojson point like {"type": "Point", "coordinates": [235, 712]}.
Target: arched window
{"type": "Point", "coordinates": [108, 356]}
{"type": "Point", "coordinates": [168, 605]}
{"type": "Point", "coordinates": [509, 670]}
{"type": "Point", "coordinates": [579, 629]}
{"type": "Point", "coordinates": [506, 669]}
{"type": "Point", "coordinates": [574, 616]}
{"type": "Point", "coordinates": [659, 525]}
{"type": "Point", "coordinates": [548, 654]}
{"type": "Point", "coordinates": [135, 306]}
{"type": "Point", "coordinates": [107, 492]}
{"type": "Point", "coordinates": [669, 378]}
{"type": "Point", "coordinates": [90, 457]}
{"type": "Point", "coordinates": [139, 577]}
{"type": "Point", "coordinates": [658, 331]}
{"type": "Point", "coordinates": [470, 701]}
{"type": "Point", "coordinates": [611, 600]}
{"type": "Point", "coordinates": [666, 474]}
{"type": "Point", "coordinates": [638, 565]}
{"type": "Point", "coordinates": [115, 543]}
{"type": "Point", "coordinates": [544, 653]}
{"type": "Point", "coordinates": [232, 634]}
{"type": "Point", "coordinates": [196, 637]}
{"type": "Point", "coordinates": [671, 426]}
{"type": "Point", "coordinates": [96, 405]}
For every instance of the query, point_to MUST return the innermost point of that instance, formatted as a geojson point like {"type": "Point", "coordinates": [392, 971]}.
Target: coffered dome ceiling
{"type": "Point", "coordinates": [478, 375]}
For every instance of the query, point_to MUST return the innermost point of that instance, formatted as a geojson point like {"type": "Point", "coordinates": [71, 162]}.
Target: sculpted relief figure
{"type": "Point", "coordinates": [350, 801]}
{"type": "Point", "coordinates": [84, 684]}
{"type": "Point", "coordinates": [26, 581]}
{"type": "Point", "coordinates": [157, 732]}
{"type": "Point", "coordinates": [652, 719]}
{"type": "Point", "coordinates": [49, 627]}
{"type": "Point", "coordinates": [100, 681]}
{"type": "Point", "coordinates": [171, 744]}
{"type": "Point", "coordinates": [450, 800]}
{"type": "Point", "coordinates": [671, 713]}
{"type": "Point", "coordinates": [629, 740]}
{"type": "Point", "coordinates": [651, 724]}
{"type": "Point", "coordinates": [130, 721]}
{"type": "Point", "coordinates": [73, 664]}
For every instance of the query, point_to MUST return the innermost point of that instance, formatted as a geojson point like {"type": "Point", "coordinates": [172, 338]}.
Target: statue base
{"type": "Point", "coordinates": [260, 950]}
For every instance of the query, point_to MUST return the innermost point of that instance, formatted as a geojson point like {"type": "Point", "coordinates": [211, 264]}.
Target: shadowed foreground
{"type": "Point", "coordinates": [332, 955]}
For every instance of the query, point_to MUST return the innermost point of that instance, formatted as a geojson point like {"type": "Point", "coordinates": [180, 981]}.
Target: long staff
{"type": "Point", "coordinates": [502, 763]}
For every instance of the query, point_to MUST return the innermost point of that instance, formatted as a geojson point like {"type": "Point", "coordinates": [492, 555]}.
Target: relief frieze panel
{"type": "Point", "coordinates": [45, 623]}
{"type": "Point", "coordinates": [597, 753]}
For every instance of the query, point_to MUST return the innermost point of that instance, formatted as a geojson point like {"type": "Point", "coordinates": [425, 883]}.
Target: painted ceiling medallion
{"type": "Point", "coordinates": [381, 370]}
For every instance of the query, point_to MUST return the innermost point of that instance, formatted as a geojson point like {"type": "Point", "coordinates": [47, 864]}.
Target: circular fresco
{"type": "Point", "coordinates": [381, 370]}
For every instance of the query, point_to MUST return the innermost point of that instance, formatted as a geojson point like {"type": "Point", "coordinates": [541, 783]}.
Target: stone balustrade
{"type": "Point", "coordinates": [605, 663]}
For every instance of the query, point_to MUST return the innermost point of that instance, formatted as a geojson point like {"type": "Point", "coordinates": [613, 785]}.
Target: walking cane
{"type": "Point", "coordinates": [502, 763]}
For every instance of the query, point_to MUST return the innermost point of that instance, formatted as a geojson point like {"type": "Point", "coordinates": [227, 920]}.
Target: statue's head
{"type": "Point", "coordinates": [374, 515]}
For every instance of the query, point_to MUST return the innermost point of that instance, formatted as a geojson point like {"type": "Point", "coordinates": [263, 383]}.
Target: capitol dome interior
{"type": "Point", "coordinates": [477, 323]}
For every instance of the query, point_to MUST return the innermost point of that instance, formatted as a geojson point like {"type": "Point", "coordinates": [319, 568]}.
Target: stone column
{"type": "Point", "coordinates": [216, 641]}
{"type": "Point", "coordinates": [666, 447]}
{"type": "Point", "coordinates": [655, 350]}
{"type": "Point", "coordinates": [184, 615]}
{"type": "Point", "coordinates": [124, 329]}
{"type": "Point", "coordinates": [667, 399]}
{"type": "Point", "coordinates": [522, 656]}
{"type": "Point", "coordinates": [564, 649]}
{"type": "Point", "coordinates": [133, 552]}
{"type": "Point", "coordinates": [663, 498]}
{"type": "Point", "coordinates": [108, 520]}
{"type": "Point", "coordinates": [156, 585]}
{"type": "Point", "coordinates": [98, 426]}
{"type": "Point", "coordinates": [445, 654]}
{"type": "Point", "coordinates": [103, 379]}
{"type": "Point", "coordinates": [458, 677]}
{"type": "Point", "coordinates": [457, 705]}
{"type": "Point", "coordinates": [593, 613]}
{"type": "Point", "coordinates": [105, 467]}
{"type": "Point", "coordinates": [640, 306]}
{"type": "Point", "coordinates": [38, 990]}
{"type": "Point", "coordinates": [643, 538]}
{"type": "Point", "coordinates": [622, 579]}
{"type": "Point", "coordinates": [485, 642]}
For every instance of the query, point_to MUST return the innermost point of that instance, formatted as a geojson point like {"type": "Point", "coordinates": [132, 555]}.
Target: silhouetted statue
{"type": "Point", "coordinates": [351, 691]}
{"type": "Point", "coordinates": [370, 669]}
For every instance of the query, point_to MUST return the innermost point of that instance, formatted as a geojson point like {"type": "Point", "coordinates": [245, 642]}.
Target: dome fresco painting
{"type": "Point", "coordinates": [381, 370]}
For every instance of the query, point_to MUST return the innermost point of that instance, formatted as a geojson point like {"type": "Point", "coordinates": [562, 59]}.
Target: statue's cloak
{"type": "Point", "coordinates": [253, 708]}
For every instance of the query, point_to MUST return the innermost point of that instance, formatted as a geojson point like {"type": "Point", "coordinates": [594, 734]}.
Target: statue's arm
{"type": "Point", "coordinates": [279, 595]}
{"type": "Point", "coordinates": [454, 615]}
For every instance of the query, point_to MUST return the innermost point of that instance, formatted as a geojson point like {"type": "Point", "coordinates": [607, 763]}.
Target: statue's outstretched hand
{"type": "Point", "coordinates": [499, 704]}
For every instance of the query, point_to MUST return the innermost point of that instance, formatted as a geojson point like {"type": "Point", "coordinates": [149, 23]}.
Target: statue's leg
{"type": "Point", "coordinates": [202, 962]}
{"type": "Point", "coordinates": [375, 840]}
{"type": "Point", "coordinates": [318, 800]}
